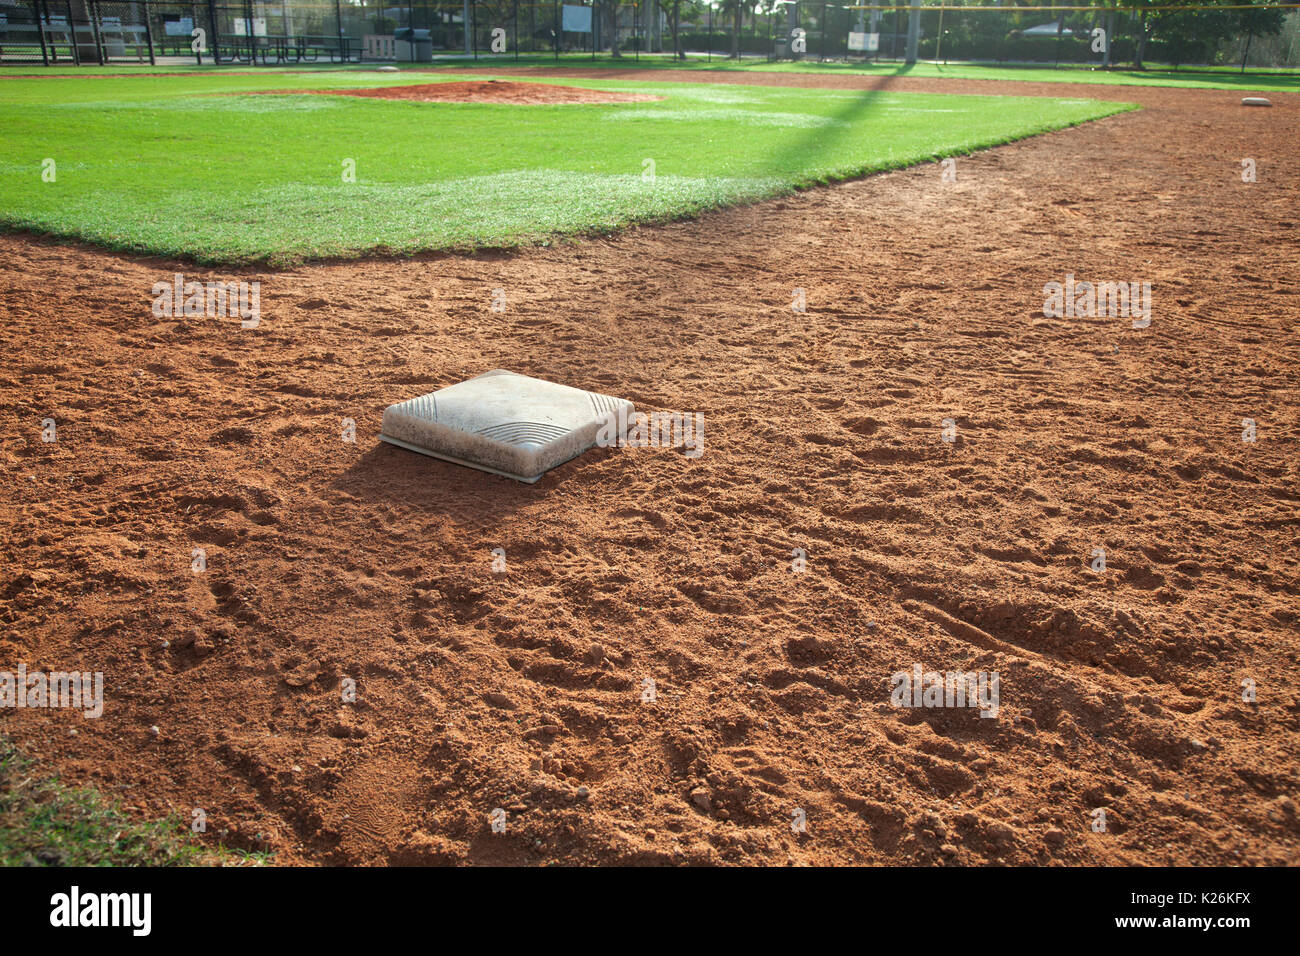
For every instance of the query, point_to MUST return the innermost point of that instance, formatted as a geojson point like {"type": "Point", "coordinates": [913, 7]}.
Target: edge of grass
{"type": "Point", "coordinates": [44, 822]}
{"type": "Point", "coordinates": [525, 239]}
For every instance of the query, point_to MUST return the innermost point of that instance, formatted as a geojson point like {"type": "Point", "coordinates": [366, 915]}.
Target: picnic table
{"type": "Point", "coordinates": [284, 48]}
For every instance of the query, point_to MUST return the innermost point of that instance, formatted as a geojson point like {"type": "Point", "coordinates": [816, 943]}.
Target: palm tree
{"type": "Point", "coordinates": [611, 14]}
{"type": "Point", "coordinates": [737, 10]}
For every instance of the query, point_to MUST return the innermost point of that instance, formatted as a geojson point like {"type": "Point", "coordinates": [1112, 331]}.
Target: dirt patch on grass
{"type": "Point", "coordinates": [491, 91]}
{"type": "Point", "coordinates": [770, 688]}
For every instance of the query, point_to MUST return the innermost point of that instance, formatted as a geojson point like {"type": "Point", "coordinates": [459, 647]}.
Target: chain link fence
{"type": "Point", "coordinates": [73, 32]}
{"type": "Point", "coordinates": [81, 32]}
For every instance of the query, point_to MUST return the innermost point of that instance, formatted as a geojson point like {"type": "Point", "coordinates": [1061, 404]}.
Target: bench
{"type": "Point", "coordinates": [282, 49]}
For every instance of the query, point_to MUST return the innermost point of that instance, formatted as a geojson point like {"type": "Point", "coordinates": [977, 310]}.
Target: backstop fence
{"type": "Point", "coordinates": [262, 32]}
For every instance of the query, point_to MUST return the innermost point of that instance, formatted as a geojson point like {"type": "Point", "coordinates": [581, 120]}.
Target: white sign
{"type": "Point", "coordinates": [259, 27]}
{"type": "Point", "coordinates": [178, 28]}
{"type": "Point", "coordinates": [864, 42]}
{"type": "Point", "coordinates": [575, 19]}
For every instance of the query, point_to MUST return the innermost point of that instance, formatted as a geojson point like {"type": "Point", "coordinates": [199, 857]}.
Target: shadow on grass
{"type": "Point", "coordinates": [854, 111]}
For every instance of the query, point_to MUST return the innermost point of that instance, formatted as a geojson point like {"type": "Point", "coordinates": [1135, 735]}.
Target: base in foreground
{"type": "Point", "coordinates": [503, 423]}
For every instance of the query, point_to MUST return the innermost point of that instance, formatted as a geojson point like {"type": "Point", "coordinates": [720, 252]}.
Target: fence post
{"type": "Point", "coordinates": [72, 32]}
{"type": "Point", "coordinates": [40, 29]}
{"type": "Point", "coordinates": [92, 9]}
{"type": "Point", "coordinates": [212, 31]}
{"type": "Point", "coordinates": [516, 31]}
{"type": "Point", "coordinates": [338, 22]}
{"type": "Point", "coordinates": [557, 31]}
{"type": "Point", "coordinates": [148, 34]}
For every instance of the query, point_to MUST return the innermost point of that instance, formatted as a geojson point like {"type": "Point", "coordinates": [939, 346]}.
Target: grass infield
{"type": "Point", "coordinates": [184, 165]}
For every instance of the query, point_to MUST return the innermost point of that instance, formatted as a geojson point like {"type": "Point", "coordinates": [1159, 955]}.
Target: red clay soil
{"type": "Point", "coordinates": [489, 91]}
{"type": "Point", "coordinates": [1120, 689]}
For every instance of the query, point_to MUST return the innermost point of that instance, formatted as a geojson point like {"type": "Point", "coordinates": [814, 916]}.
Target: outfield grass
{"type": "Point", "coordinates": [185, 165]}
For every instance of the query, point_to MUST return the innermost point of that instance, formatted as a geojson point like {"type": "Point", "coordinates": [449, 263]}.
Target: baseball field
{"type": "Point", "coordinates": [986, 548]}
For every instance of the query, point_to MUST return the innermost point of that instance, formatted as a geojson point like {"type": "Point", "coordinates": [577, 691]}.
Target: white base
{"type": "Point", "coordinates": [502, 423]}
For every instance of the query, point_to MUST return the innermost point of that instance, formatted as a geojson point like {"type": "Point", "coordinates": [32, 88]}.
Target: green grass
{"type": "Point", "coordinates": [44, 823]}
{"type": "Point", "coordinates": [191, 166]}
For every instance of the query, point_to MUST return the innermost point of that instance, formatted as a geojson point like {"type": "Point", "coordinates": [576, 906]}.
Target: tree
{"type": "Point", "coordinates": [1189, 34]}
{"type": "Point", "coordinates": [611, 13]}
{"type": "Point", "coordinates": [737, 10]}
{"type": "Point", "coordinates": [1256, 23]}
{"type": "Point", "coordinates": [677, 48]}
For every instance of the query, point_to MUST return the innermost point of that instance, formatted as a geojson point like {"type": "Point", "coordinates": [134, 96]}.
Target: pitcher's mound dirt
{"type": "Point", "coordinates": [495, 91]}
